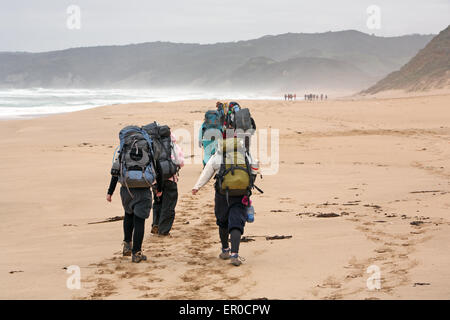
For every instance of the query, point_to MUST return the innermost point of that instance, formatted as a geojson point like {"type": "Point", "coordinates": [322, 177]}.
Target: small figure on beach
{"type": "Point", "coordinates": [290, 96]}
{"type": "Point", "coordinates": [315, 97]}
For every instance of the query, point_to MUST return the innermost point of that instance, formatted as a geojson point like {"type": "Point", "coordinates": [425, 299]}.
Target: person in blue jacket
{"type": "Point", "coordinates": [207, 139]}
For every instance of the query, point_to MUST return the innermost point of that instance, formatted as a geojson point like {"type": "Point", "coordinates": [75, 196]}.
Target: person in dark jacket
{"type": "Point", "coordinates": [166, 196]}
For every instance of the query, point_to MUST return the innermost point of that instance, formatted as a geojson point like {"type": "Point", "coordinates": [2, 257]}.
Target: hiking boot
{"type": "Point", "coordinates": [165, 234]}
{"type": "Point", "coordinates": [154, 230]}
{"type": "Point", "coordinates": [138, 257]}
{"type": "Point", "coordinates": [126, 252]}
{"type": "Point", "coordinates": [236, 260]}
{"type": "Point", "coordinates": [225, 255]}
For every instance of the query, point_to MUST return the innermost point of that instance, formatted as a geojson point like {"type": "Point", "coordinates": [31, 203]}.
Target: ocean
{"type": "Point", "coordinates": [26, 103]}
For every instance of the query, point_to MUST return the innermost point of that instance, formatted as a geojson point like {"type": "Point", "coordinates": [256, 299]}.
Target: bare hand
{"type": "Point", "coordinates": [194, 191]}
{"type": "Point", "coordinates": [108, 197]}
{"type": "Point", "coordinates": [159, 194]}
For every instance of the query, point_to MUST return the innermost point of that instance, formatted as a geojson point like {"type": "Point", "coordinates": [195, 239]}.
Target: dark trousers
{"type": "Point", "coordinates": [230, 217]}
{"type": "Point", "coordinates": [137, 206]}
{"type": "Point", "coordinates": [164, 207]}
{"type": "Point", "coordinates": [133, 227]}
{"type": "Point", "coordinates": [230, 214]}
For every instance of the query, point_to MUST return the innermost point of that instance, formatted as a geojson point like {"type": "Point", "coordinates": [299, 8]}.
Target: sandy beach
{"type": "Point", "coordinates": [361, 182]}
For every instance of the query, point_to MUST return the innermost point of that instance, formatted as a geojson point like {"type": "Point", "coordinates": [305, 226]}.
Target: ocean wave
{"type": "Point", "coordinates": [16, 103]}
{"type": "Point", "coordinates": [14, 112]}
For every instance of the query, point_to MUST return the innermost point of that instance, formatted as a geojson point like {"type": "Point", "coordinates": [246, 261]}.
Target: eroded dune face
{"type": "Point", "coordinates": [428, 70]}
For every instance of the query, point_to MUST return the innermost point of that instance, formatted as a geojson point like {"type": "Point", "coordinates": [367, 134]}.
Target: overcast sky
{"type": "Point", "coordinates": [42, 25]}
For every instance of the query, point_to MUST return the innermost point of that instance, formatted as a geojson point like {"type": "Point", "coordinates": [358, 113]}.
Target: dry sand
{"type": "Point", "coordinates": [379, 164]}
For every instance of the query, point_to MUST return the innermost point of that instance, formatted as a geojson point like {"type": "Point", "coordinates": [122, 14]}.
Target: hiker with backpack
{"type": "Point", "coordinates": [235, 172]}
{"type": "Point", "coordinates": [233, 107]}
{"type": "Point", "coordinates": [169, 159]}
{"type": "Point", "coordinates": [134, 169]}
{"type": "Point", "coordinates": [209, 133]}
{"type": "Point", "coordinates": [230, 118]}
{"type": "Point", "coordinates": [241, 123]}
{"type": "Point", "coordinates": [221, 109]}
{"type": "Point", "coordinates": [244, 126]}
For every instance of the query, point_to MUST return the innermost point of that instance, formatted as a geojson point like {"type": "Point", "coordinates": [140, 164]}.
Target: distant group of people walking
{"type": "Point", "coordinates": [148, 162]}
{"type": "Point", "coordinates": [308, 97]}
{"type": "Point", "coordinates": [290, 96]}
{"type": "Point", "coordinates": [315, 97]}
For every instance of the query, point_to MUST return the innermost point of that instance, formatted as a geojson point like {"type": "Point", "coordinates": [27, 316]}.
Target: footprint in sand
{"type": "Point", "coordinates": [393, 254]}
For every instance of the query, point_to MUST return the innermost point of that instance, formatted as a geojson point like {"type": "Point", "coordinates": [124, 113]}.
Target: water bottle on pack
{"type": "Point", "coordinates": [250, 211]}
{"type": "Point", "coordinates": [250, 214]}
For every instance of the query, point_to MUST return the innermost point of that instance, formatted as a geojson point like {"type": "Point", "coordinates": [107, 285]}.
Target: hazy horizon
{"type": "Point", "coordinates": [42, 26]}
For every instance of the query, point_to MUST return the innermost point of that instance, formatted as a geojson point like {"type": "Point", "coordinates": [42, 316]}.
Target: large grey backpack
{"type": "Point", "coordinates": [163, 150]}
{"type": "Point", "coordinates": [135, 158]}
{"type": "Point", "coordinates": [243, 119]}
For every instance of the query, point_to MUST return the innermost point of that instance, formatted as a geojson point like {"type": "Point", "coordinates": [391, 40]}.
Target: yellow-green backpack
{"type": "Point", "coordinates": [234, 176]}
